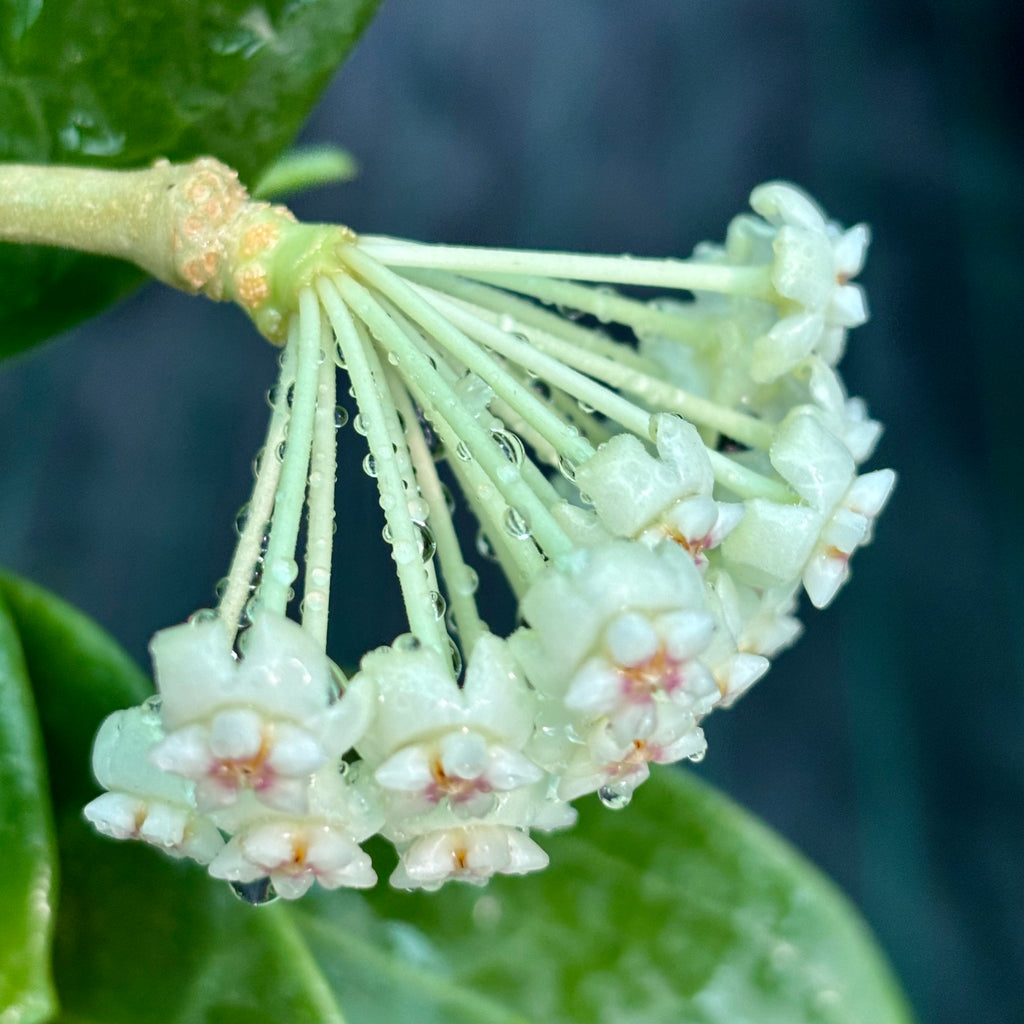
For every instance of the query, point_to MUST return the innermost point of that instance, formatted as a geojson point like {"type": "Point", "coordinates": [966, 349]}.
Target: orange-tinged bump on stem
{"type": "Point", "coordinates": [251, 286]}
{"type": "Point", "coordinates": [259, 238]}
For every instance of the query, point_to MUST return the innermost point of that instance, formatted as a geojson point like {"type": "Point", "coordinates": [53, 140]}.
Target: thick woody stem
{"type": "Point", "coordinates": [192, 226]}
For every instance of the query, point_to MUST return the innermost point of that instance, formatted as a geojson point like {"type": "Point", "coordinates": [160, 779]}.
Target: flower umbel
{"type": "Point", "coordinates": [655, 503]}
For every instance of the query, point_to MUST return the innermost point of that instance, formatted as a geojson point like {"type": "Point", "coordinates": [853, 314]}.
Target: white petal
{"type": "Point", "coordinates": [185, 752]}
{"type": "Point", "coordinates": [631, 639]}
{"type": "Point", "coordinates": [407, 771]}
{"type": "Point", "coordinates": [869, 492]}
{"type": "Point", "coordinates": [464, 755]}
{"type": "Point", "coordinates": [236, 734]}
{"type": "Point", "coordinates": [686, 633]}
{"type": "Point", "coordinates": [850, 250]}
{"type": "Point", "coordinates": [117, 815]}
{"type": "Point", "coordinates": [779, 202]}
{"type": "Point", "coordinates": [233, 865]}
{"type": "Point", "coordinates": [595, 688]}
{"type": "Point", "coordinates": [739, 674]}
{"type": "Point", "coordinates": [164, 825]}
{"type": "Point", "coordinates": [294, 752]}
{"type": "Point", "coordinates": [524, 855]}
{"type": "Point", "coordinates": [509, 769]}
{"type": "Point", "coordinates": [823, 577]}
{"type": "Point", "coordinates": [847, 307]}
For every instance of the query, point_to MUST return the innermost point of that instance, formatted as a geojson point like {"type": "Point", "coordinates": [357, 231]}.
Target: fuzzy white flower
{"type": "Point", "coordinates": [265, 722]}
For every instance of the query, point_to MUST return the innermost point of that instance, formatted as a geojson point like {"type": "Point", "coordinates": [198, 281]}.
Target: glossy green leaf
{"type": "Point", "coordinates": [117, 83]}
{"type": "Point", "coordinates": [682, 908]}
{"type": "Point", "coordinates": [29, 857]}
{"type": "Point", "coordinates": [142, 938]}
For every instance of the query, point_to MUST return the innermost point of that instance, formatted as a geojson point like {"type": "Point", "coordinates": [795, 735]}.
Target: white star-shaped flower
{"type": "Point", "coordinates": [814, 262]}
{"type": "Point", "coordinates": [435, 742]}
{"type": "Point", "coordinates": [264, 723]}
{"type": "Point", "coordinates": [637, 495]}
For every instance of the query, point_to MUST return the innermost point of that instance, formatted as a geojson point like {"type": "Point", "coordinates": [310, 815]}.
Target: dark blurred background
{"type": "Point", "coordinates": [887, 744]}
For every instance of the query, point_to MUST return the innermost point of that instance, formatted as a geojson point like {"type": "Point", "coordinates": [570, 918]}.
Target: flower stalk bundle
{"type": "Point", "coordinates": [658, 480]}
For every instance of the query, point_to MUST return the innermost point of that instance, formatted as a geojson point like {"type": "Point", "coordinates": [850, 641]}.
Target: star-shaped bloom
{"type": "Point", "coordinates": [616, 634]}
{"type": "Point", "coordinates": [438, 742]}
{"type": "Point", "coordinates": [638, 495]}
{"type": "Point", "coordinates": [473, 853]}
{"type": "Point", "coordinates": [321, 846]}
{"type": "Point", "coordinates": [265, 722]}
{"type": "Point", "coordinates": [775, 545]}
{"type": "Point", "coordinates": [814, 262]}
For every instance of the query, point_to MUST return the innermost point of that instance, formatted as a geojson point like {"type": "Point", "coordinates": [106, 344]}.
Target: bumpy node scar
{"type": "Point", "coordinates": [657, 480]}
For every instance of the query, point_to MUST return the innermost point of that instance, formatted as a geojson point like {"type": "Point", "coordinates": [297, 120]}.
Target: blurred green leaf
{"type": "Point", "coordinates": [117, 83]}
{"type": "Point", "coordinates": [29, 864]}
{"type": "Point", "coordinates": [681, 909]}
{"type": "Point", "coordinates": [303, 168]}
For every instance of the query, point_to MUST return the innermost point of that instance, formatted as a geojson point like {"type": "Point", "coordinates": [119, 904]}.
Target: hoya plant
{"type": "Point", "coordinates": [439, 832]}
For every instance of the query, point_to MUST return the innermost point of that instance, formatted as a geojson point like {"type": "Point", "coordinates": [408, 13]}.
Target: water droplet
{"type": "Point", "coordinates": [257, 894]}
{"type": "Point", "coordinates": [281, 448]}
{"type": "Point", "coordinates": [241, 519]}
{"type": "Point", "coordinates": [419, 510]}
{"type": "Point", "coordinates": [484, 547]}
{"type": "Point", "coordinates": [393, 358]}
{"type": "Point", "coordinates": [463, 452]}
{"type": "Point", "coordinates": [585, 407]}
{"type": "Point", "coordinates": [439, 605]}
{"type": "Point", "coordinates": [426, 541]}
{"type": "Point", "coordinates": [370, 466]}
{"type": "Point", "coordinates": [567, 468]}
{"type": "Point", "coordinates": [541, 389]}
{"type": "Point", "coordinates": [338, 683]}
{"type": "Point", "coordinates": [154, 703]}
{"type": "Point", "coordinates": [515, 524]}
{"type": "Point", "coordinates": [407, 642]}
{"type": "Point", "coordinates": [290, 395]}
{"type": "Point", "coordinates": [387, 534]}
{"type": "Point", "coordinates": [314, 601]}
{"type": "Point", "coordinates": [85, 132]}
{"type": "Point", "coordinates": [284, 570]}
{"type": "Point", "coordinates": [340, 416]}
{"type": "Point", "coordinates": [449, 498]}
{"type": "Point", "coordinates": [201, 616]}
{"type": "Point", "coordinates": [614, 797]}
{"type": "Point", "coordinates": [359, 424]}
{"type": "Point", "coordinates": [320, 577]}
{"type": "Point", "coordinates": [509, 445]}
{"type": "Point", "coordinates": [316, 478]}
{"type": "Point", "coordinates": [568, 312]}
{"type": "Point", "coordinates": [456, 656]}
{"type": "Point", "coordinates": [220, 588]}
{"type": "Point", "coordinates": [697, 756]}
{"type": "Point", "coordinates": [467, 582]}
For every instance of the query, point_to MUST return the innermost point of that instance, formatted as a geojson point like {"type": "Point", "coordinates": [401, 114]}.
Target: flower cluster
{"type": "Point", "coordinates": [656, 504]}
